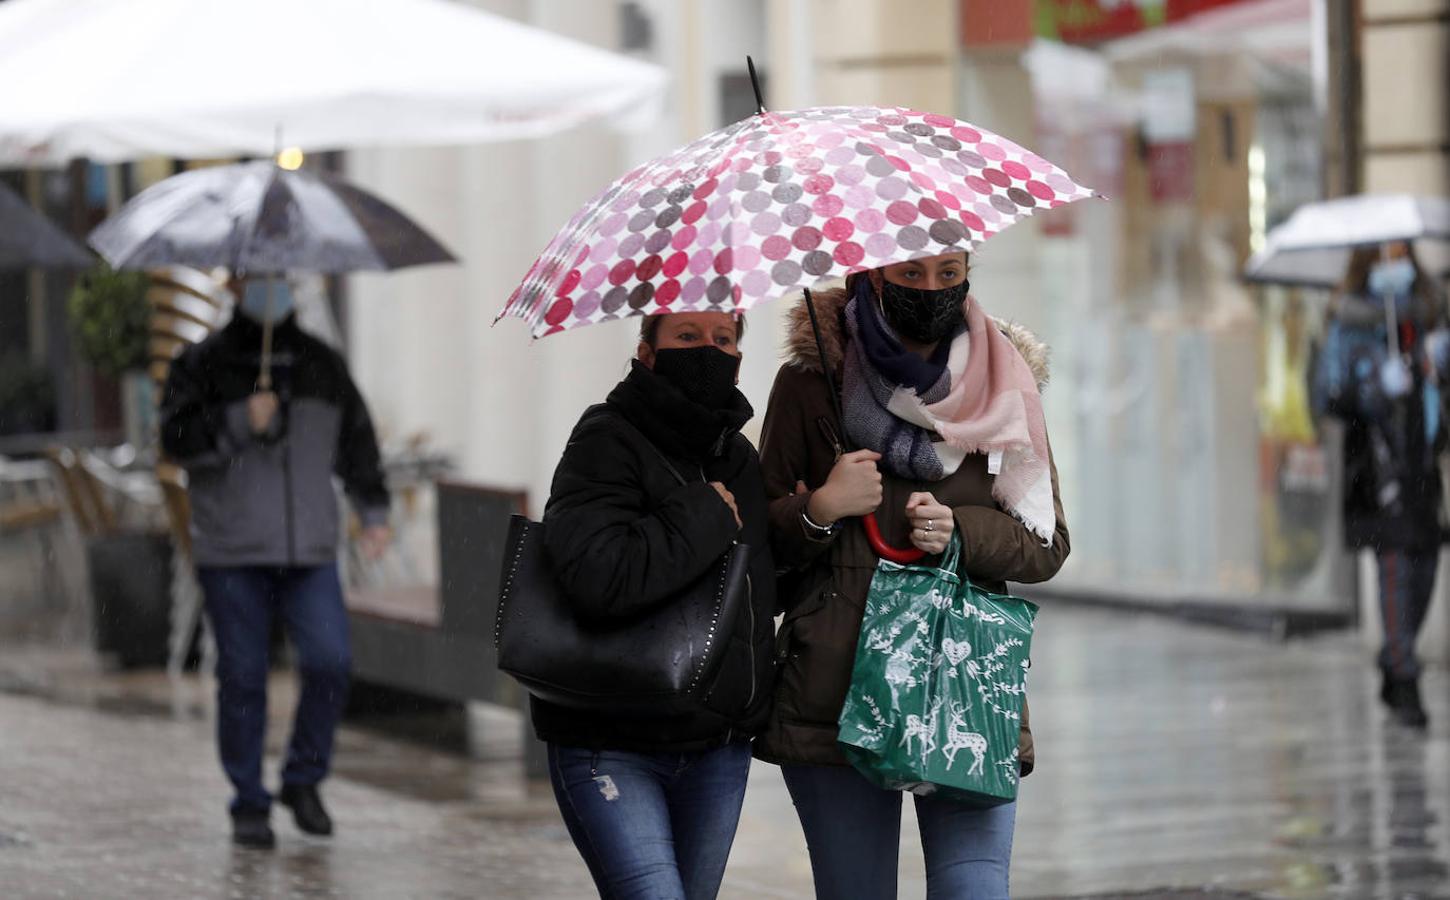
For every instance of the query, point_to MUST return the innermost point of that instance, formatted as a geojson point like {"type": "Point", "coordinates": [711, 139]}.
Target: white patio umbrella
{"type": "Point", "coordinates": [1312, 248]}
{"type": "Point", "coordinates": [120, 79]}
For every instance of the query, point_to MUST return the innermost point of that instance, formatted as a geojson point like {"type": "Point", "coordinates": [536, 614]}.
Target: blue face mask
{"type": "Point", "coordinates": [1392, 278]}
{"type": "Point", "coordinates": [254, 299]}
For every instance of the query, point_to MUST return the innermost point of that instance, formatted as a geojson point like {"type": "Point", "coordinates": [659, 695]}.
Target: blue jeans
{"type": "Point", "coordinates": [241, 603]}
{"type": "Point", "coordinates": [1407, 581]}
{"type": "Point", "coordinates": [853, 831]}
{"type": "Point", "coordinates": [654, 826]}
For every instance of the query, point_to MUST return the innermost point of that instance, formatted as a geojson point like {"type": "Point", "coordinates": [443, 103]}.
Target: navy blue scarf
{"type": "Point", "coordinates": [876, 365]}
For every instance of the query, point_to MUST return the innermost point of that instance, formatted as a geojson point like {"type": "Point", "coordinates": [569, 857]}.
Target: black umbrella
{"type": "Point", "coordinates": [29, 239]}
{"type": "Point", "coordinates": [259, 219]}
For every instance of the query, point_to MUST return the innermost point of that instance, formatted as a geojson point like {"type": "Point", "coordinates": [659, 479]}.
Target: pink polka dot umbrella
{"type": "Point", "coordinates": [780, 201]}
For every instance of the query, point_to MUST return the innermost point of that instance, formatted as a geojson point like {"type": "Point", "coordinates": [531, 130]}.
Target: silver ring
{"type": "Point", "coordinates": [930, 526]}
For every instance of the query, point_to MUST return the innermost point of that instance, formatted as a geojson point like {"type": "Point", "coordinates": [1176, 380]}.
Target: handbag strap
{"type": "Point", "coordinates": [657, 451]}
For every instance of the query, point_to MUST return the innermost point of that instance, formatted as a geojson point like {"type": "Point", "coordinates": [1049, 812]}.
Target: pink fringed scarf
{"type": "Point", "coordinates": [994, 407]}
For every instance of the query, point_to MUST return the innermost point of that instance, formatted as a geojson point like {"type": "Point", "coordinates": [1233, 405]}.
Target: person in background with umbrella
{"type": "Point", "coordinates": [653, 802]}
{"type": "Point", "coordinates": [1381, 370]}
{"type": "Point", "coordinates": [261, 435]}
{"type": "Point", "coordinates": [943, 405]}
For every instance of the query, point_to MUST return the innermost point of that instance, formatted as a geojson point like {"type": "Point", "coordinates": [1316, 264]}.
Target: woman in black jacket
{"type": "Point", "coordinates": [1387, 388]}
{"type": "Point", "coordinates": [652, 802]}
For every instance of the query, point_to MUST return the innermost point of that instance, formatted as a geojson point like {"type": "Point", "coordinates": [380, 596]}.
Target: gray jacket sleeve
{"type": "Point", "coordinates": [359, 461]}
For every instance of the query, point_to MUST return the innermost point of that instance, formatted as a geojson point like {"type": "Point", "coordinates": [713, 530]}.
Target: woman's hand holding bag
{"type": "Point", "coordinates": [932, 524]}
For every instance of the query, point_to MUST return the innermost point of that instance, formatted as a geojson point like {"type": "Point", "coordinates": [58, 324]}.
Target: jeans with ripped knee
{"type": "Point", "coordinates": [652, 825]}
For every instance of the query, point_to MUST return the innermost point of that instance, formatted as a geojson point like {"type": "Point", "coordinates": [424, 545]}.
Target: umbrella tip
{"type": "Point", "coordinates": [755, 83]}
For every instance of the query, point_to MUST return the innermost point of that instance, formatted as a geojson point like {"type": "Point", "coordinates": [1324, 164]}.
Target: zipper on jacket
{"type": "Point", "coordinates": [287, 500]}
{"type": "Point", "coordinates": [828, 431]}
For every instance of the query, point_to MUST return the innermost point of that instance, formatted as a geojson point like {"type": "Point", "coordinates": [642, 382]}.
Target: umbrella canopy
{"type": "Point", "coordinates": [1312, 248]}
{"type": "Point", "coordinates": [256, 217]}
{"type": "Point", "coordinates": [120, 79]}
{"type": "Point", "coordinates": [29, 239]}
{"type": "Point", "coordinates": [779, 201]}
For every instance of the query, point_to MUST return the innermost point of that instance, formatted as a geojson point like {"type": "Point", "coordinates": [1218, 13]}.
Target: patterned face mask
{"type": "Point", "coordinates": [705, 375]}
{"type": "Point", "coordinates": [921, 315]}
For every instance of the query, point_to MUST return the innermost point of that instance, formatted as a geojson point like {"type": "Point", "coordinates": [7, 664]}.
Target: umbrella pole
{"type": "Point", "coordinates": [1391, 318]}
{"type": "Point", "coordinates": [825, 366]}
{"type": "Point", "coordinates": [874, 537]}
{"type": "Point", "coordinates": [264, 379]}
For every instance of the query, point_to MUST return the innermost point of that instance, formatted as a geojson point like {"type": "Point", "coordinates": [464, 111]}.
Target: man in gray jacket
{"type": "Point", "coordinates": [265, 529]}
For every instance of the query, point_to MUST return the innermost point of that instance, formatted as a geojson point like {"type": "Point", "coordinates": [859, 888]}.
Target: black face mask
{"type": "Point", "coordinates": [705, 375]}
{"type": "Point", "coordinates": [921, 315]}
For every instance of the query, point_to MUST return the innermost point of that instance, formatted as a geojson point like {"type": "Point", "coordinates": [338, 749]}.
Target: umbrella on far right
{"type": "Point", "coordinates": [1312, 248]}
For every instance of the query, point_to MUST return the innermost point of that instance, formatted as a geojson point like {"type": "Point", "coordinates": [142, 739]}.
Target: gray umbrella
{"type": "Point", "coordinates": [29, 239]}
{"type": "Point", "coordinates": [261, 219]}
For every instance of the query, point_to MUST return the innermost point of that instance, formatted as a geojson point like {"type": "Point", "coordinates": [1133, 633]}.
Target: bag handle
{"type": "Point", "coordinates": [951, 562]}
{"type": "Point", "coordinates": [657, 451]}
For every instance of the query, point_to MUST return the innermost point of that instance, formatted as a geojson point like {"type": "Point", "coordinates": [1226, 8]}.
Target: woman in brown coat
{"type": "Point", "coordinates": [944, 406]}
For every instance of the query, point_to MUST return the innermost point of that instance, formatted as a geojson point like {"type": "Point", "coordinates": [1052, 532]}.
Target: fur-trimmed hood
{"type": "Point", "coordinates": [830, 307]}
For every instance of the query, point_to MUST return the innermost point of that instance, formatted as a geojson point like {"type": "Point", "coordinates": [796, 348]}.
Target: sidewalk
{"type": "Point", "coordinates": [1171, 757]}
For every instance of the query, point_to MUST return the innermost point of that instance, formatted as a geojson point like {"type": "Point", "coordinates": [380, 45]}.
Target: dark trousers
{"type": "Point", "coordinates": [241, 603]}
{"type": "Point", "coordinates": [653, 826]}
{"type": "Point", "coordinates": [1407, 581]}
{"type": "Point", "coordinates": [853, 833]}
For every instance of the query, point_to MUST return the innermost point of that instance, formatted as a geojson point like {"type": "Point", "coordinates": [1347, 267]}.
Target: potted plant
{"type": "Point", "coordinates": [111, 320]}
{"type": "Point", "coordinates": [129, 568]}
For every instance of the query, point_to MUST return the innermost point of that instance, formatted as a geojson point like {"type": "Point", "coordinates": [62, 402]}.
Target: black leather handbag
{"type": "Point", "coordinates": [661, 663]}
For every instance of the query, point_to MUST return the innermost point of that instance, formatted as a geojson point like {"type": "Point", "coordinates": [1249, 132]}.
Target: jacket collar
{"type": "Point", "coordinates": [675, 424]}
{"type": "Point", "coordinates": [244, 328]}
{"type": "Point", "coordinates": [830, 312]}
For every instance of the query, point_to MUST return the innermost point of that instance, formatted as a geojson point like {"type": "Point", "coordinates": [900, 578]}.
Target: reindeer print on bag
{"type": "Point", "coordinates": [958, 738]}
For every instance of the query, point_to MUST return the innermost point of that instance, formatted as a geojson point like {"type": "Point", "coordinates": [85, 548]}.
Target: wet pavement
{"type": "Point", "coordinates": [1174, 761]}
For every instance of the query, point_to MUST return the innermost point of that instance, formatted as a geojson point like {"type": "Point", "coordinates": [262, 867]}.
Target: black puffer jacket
{"type": "Point", "coordinates": [624, 536]}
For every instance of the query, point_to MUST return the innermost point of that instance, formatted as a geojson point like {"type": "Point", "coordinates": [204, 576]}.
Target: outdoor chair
{"type": "Point", "coordinates": [31, 511]}
{"type": "Point", "coordinates": [187, 305]}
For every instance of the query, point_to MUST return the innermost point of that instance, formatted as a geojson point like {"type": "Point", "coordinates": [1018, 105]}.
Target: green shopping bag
{"type": "Point", "coordinates": [935, 704]}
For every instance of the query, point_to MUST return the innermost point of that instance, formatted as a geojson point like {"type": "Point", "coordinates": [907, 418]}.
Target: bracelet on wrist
{"type": "Point", "coordinates": [816, 527]}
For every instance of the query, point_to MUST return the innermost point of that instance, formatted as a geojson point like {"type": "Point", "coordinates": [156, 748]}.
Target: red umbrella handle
{"type": "Point", "coordinates": [885, 550]}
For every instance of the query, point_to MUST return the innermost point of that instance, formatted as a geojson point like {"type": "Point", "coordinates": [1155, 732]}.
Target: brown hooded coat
{"type": "Point", "coordinates": [823, 599]}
